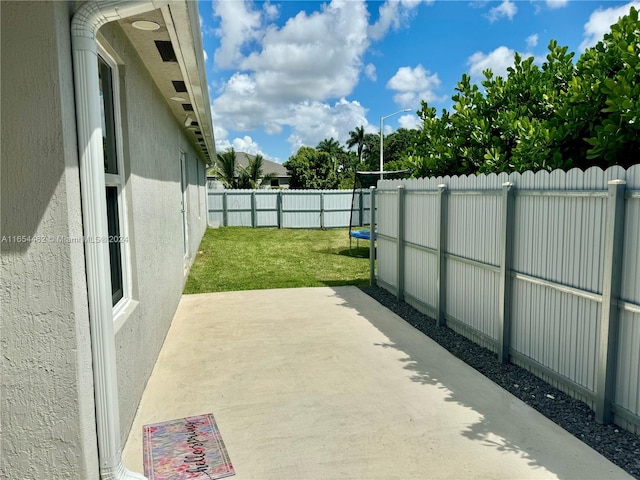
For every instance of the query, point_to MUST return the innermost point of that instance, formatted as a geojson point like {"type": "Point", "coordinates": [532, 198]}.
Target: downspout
{"type": "Point", "coordinates": [84, 26]}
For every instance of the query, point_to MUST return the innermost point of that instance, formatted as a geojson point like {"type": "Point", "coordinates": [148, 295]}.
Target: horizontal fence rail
{"type": "Point", "coordinates": [543, 269]}
{"type": "Point", "coordinates": [289, 208]}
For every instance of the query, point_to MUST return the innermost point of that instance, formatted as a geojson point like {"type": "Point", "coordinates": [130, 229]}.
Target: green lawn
{"type": "Point", "coordinates": [241, 258]}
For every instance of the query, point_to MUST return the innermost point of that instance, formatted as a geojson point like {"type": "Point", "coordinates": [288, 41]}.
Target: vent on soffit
{"type": "Point", "coordinates": [165, 49]}
{"type": "Point", "coordinates": [179, 86]}
{"type": "Point", "coordinates": [188, 108]}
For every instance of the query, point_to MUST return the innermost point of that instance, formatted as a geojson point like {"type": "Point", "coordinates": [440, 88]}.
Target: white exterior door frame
{"type": "Point", "coordinates": [184, 184]}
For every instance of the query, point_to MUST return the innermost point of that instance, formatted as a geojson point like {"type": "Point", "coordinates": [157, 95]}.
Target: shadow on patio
{"type": "Point", "coordinates": [326, 383]}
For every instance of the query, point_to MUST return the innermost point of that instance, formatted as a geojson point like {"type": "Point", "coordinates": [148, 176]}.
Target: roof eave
{"type": "Point", "coordinates": [183, 24]}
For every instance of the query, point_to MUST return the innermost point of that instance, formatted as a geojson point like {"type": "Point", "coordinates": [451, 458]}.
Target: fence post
{"type": "Point", "coordinates": [608, 348]}
{"type": "Point", "coordinates": [372, 236]}
{"type": "Point", "coordinates": [506, 255]}
{"type": "Point", "coordinates": [279, 208]}
{"type": "Point", "coordinates": [361, 209]}
{"type": "Point", "coordinates": [253, 209]}
{"type": "Point", "coordinates": [400, 254]}
{"type": "Point", "coordinates": [225, 218]}
{"type": "Point", "coordinates": [321, 210]}
{"type": "Point", "coordinates": [441, 280]}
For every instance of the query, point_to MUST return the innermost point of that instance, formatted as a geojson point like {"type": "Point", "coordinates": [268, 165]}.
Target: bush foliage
{"type": "Point", "coordinates": [558, 115]}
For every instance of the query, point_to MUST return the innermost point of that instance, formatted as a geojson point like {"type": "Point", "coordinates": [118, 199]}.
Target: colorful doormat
{"type": "Point", "coordinates": [185, 448]}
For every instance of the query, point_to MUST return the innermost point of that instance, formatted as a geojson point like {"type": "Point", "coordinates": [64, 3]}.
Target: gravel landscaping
{"type": "Point", "coordinates": [620, 446]}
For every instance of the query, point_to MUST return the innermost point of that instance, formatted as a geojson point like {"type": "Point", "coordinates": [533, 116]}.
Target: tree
{"type": "Point", "coordinates": [330, 146]}
{"type": "Point", "coordinates": [252, 175]}
{"type": "Point", "coordinates": [603, 100]}
{"type": "Point", "coordinates": [333, 148]}
{"type": "Point", "coordinates": [356, 137]}
{"type": "Point", "coordinates": [371, 152]}
{"type": "Point", "coordinates": [558, 115]}
{"type": "Point", "coordinates": [225, 168]}
{"type": "Point", "coordinates": [311, 169]}
{"type": "Point", "coordinates": [397, 145]}
{"type": "Point", "coordinates": [233, 175]}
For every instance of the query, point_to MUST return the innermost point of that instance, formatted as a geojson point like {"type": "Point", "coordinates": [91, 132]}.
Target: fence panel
{"type": "Point", "coordinates": [288, 208]}
{"type": "Point", "coordinates": [215, 207]}
{"type": "Point", "coordinates": [337, 209]}
{"type": "Point", "coordinates": [627, 396]}
{"type": "Point", "coordinates": [472, 295]}
{"type": "Point", "coordinates": [559, 331]}
{"type": "Point", "coordinates": [239, 208]}
{"type": "Point", "coordinates": [559, 237]}
{"type": "Point", "coordinates": [301, 210]}
{"type": "Point", "coordinates": [387, 215]}
{"type": "Point", "coordinates": [421, 242]}
{"type": "Point", "coordinates": [528, 269]}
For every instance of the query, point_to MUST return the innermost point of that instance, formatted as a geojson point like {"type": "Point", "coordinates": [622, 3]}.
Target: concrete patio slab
{"type": "Point", "coordinates": [325, 383]}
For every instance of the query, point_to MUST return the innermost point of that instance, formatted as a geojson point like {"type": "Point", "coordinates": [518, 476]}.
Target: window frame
{"type": "Point", "coordinates": [118, 180]}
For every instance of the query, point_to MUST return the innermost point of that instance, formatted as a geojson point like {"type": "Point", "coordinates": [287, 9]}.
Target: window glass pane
{"type": "Point", "coordinates": [107, 114]}
{"type": "Point", "coordinates": [115, 257]}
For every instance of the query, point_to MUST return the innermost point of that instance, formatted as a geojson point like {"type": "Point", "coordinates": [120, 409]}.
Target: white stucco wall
{"type": "Point", "coordinates": [153, 140]}
{"type": "Point", "coordinates": [47, 407]}
{"type": "Point", "coordinates": [46, 403]}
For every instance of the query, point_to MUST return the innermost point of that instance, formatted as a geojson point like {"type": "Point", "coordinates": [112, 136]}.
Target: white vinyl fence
{"type": "Point", "coordinates": [543, 269]}
{"type": "Point", "coordinates": [288, 208]}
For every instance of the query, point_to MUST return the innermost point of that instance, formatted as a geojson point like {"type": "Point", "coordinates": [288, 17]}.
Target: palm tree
{"type": "Point", "coordinates": [333, 148]}
{"type": "Point", "coordinates": [225, 168]}
{"type": "Point", "coordinates": [356, 137]}
{"type": "Point", "coordinates": [330, 145]}
{"type": "Point", "coordinates": [252, 175]}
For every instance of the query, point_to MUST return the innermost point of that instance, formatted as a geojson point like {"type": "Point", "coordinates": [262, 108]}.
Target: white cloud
{"type": "Point", "coordinates": [245, 144]}
{"type": "Point", "coordinates": [506, 9]}
{"type": "Point", "coordinates": [204, 54]}
{"type": "Point", "coordinates": [554, 4]}
{"type": "Point", "coordinates": [370, 72]}
{"type": "Point", "coordinates": [600, 23]}
{"type": "Point", "coordinates": [270, 10]}
{"type": "Point", "coordinates": [312, 122]}
{"type": "Point", "coordinates": [315, 56]}
{"type": "Point", "coordinates": [532, 40]}
{"type": "Point", "coordinates": [413, 85]}
{"type": "Point", "coordinates": [410, 121]}
{"type": "Point", "coordinates": [497, 60]}
{"type": "Point", "coordinates": [219, 133]}
{"type": "Point", "coordinates": [239, 25]}
{"type": "Point", "coordinates": [393, 14]}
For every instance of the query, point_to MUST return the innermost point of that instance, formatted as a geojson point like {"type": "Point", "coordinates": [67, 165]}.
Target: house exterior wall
{"type": "Point", "coordinates": [153, 141]}
{"type": "Point", "coordinates": [46, 403]}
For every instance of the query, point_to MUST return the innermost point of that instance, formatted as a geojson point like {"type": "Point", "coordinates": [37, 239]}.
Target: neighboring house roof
{"type": "Point", "coordinates": [242, 159]}
{"type": "Point", "coordinates": [173, 56]}
{"type": "Point", "coordinates": [267, 165]}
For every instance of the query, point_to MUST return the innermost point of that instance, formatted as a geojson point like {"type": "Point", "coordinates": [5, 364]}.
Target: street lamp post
{"type": "Point", "coordinates": [382, 119]}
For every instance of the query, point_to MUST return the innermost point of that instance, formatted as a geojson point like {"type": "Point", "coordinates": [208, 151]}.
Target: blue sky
{"type": "Point", "coordinates": [283, 74]}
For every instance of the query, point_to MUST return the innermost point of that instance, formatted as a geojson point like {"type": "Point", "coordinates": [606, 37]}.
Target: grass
{"type": "Point", "coordinates": [241, 258]}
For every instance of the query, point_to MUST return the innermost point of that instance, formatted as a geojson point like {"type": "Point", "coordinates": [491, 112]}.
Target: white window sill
{"type": "Point", "coordinates": [122, 311]}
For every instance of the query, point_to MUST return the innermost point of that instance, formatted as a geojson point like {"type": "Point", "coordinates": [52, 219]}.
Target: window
{"type": "Point", "coordinates": [114, 180]}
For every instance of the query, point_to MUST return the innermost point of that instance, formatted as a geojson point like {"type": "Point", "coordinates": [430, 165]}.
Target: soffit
{"type": "Point", "coordinates": [179, 25]}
